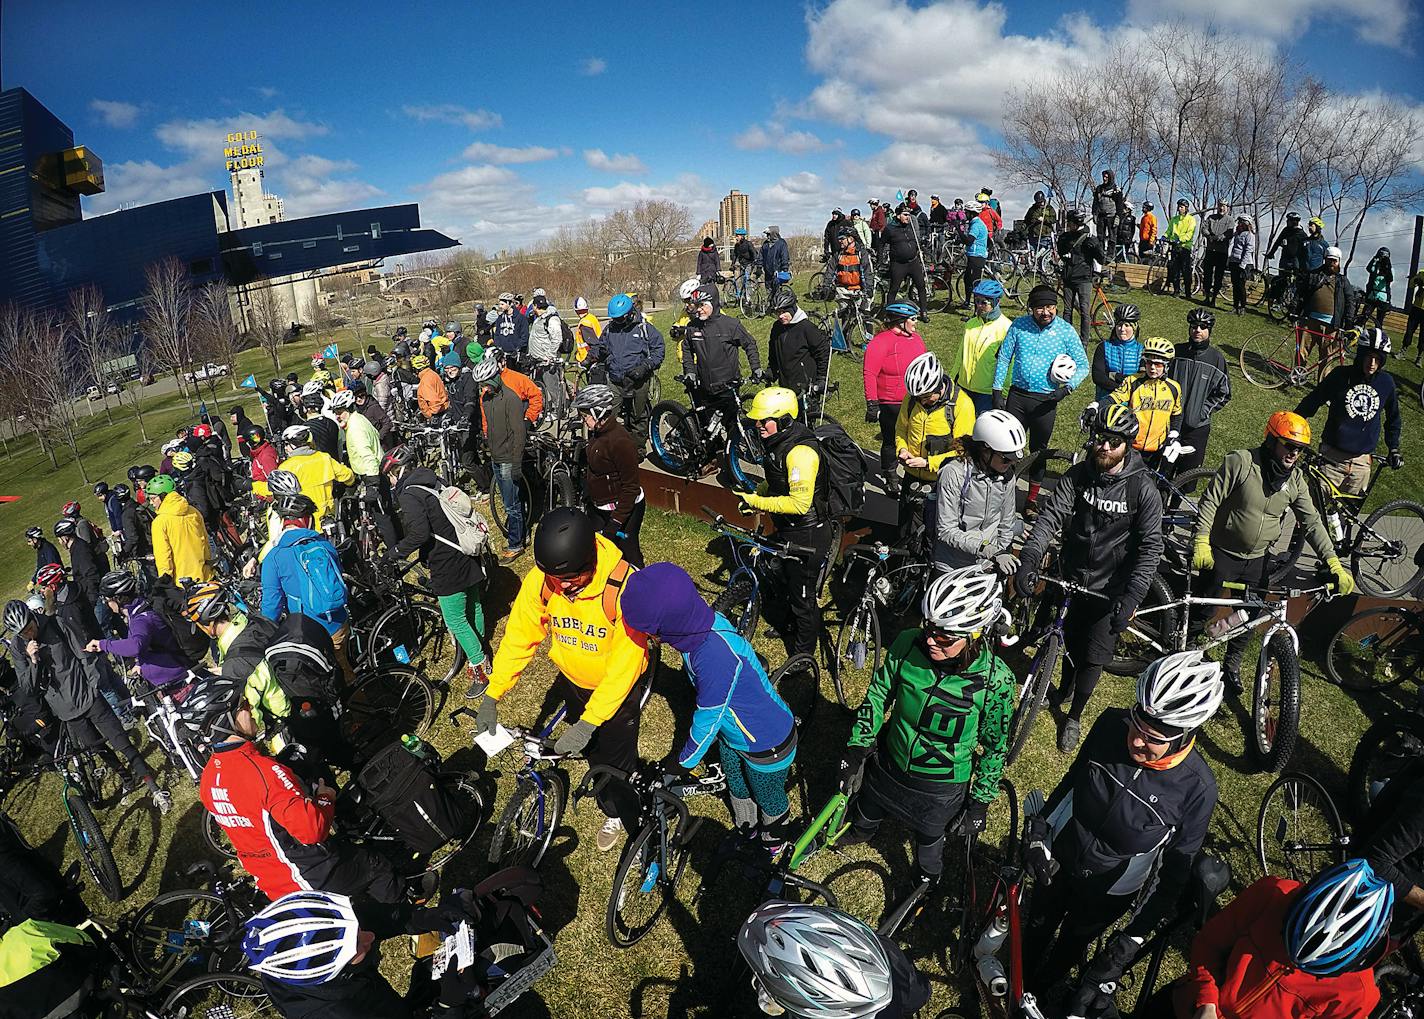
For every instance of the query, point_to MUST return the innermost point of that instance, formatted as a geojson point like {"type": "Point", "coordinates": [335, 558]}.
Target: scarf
{"type": "Point", "coordinates": [1274, 471]}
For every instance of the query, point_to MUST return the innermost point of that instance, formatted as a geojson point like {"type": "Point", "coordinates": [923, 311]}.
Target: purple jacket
{"type": "Point", "coordinates": [160, 661]}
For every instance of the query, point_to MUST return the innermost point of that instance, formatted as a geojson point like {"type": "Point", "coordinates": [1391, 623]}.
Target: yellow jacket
{"type": "Point", "coordinates": [979, 352]}
{"type": "Point", "coordinates": [927, 432]}
{"type": "Point", "coordinates": [318, 474]}
{"type": "Point", "coordinates": [596, 653]}
{"type": "Point", "coordinates": [180, 541]}
{"type": "Point", "coordinates": [803, 463]}
{"type": "Point", "coordinates": [590, 322]}
{"type": "Point", "coordinates": [1157, 404]}
{"type": "Point", "coordinates": [1182, 229]}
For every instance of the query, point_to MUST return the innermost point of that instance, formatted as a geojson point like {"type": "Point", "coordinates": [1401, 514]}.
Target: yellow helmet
{"type": "Point", "coordinates": [420, 362]}
{"type": "Point", "coordinates": [1159, 348]}
{"type": "Point", "coordinates": [321, 375]}
{"type": "Point", "coordinates": [773, 402]}
{"type": "Point", "coordinates": [181, 460]}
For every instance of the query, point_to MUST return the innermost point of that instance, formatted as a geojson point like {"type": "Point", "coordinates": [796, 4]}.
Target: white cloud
{"type": "Point", "coordinates": [265, 91]}
{"type": "Point", "coordinates": [310, 186]}
{"type": "Point", "coordinates": [616, 163]}
{"type": "Point", "coordinates": [687, 189]}
{"type": "Point", "coordinates": [485, 152]}
{"type": "Point", "coordinates": [774, 135]}
{"type": "Point", "coordinates": [1382, 22]}
{"type": "Point", "coordinates": [142, 182]}
{"type": "Point", "coordinates": [792, 203]}
{"type": "Point", "coordinates": [205, 139]}
{"type": "Point", "coordinates": [449, 113]}
{"type": "Point", "coordinates": [489, 205]}
{"type": "Point", "coordinates": [115, 113]}
{"type": "Point", "coordinates": [594, 66]}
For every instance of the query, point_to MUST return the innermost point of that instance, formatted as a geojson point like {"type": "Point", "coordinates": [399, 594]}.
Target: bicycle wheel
{"type": "Point", "coordinates": [798, 683]}
{"type": "Point", "coordinates": [93, 846]}
{"type": "Point", "coordinates": [1298, 829]}
{"type": "Point", "coordinates": [641, 891]}
{"type": "Point", "coordinates": [221, 996]}
{"type": "Point", "coordinates": [216, 839]}
{"type": "Point", "coordinates": [499, 511]}
{"type": "Point", "coordinates": [188, 930]}
{"type": "Point", "coordinates": [1133, 653]}
{"type": "Point", "coordinates": [740, 603]}
{"type": "Point", "coordinates": [1035, 688]}
{"type": "Point", "coordinates": [1376, 649]}
{"type": "Point", "coordinates": [416, 635]}
{"type": "Point", "coordinates": [676, 439]}
{"type": "Point", "coordinates": [463, 788]}
{"type": "Point", "coordinates": [743, 458]}
{"type": "Point", "coordinates": [562, 489]}
{"type": "Point", "coordinates": [816, 288]}
{"type": "Point", "coordinates": [1386, 750]}
{"type": "Point", "coordinates": [385, 705]}
{"type": "Point", "coordinates": [1267, 358]}
{"type": "Point", "coordinates": [526, 826]}
{"type": "Point", "coordinates": [1100, 318]}
{"type": "Point", "coordinates": [1275, 705]}
{"type": "Point", "coordinates": [1382, 560]}
{"type": "Point", "coordinates": [857, 653]}
{"type": "Point", "coordinates": [655, 390]}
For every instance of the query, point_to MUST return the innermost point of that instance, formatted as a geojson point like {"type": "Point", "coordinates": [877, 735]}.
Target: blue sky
{"type": "Point", "coordinates": [504, 130]}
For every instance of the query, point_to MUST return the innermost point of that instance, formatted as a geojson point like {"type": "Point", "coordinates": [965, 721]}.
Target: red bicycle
{"type": "Point", "coordinates": [1298, 356]}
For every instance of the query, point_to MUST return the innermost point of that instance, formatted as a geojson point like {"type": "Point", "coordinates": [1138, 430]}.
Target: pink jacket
{"type": "Point", "coordinates": [886, 357]}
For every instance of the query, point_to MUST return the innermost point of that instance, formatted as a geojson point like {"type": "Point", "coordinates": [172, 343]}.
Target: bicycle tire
{"type": "Point", "coordinates": [655, 390]}
{"type": "Point", "coordinates": [417, 631]}
{"type": "Point", "coordinates": [636, 855]}
{"type": "Point", "coordinates": [802, 693]}
{"type": "Point", "coordinates": [816, 287]}
{"type": "Point", "coordinates": [518, 840]}
{"type": "Point", "coordinates": [93, 845]}
{"type": "Point", "coordinates": [1376, 650]}
{"type": "Point", "coordinates": [1034, 692]}
{"type": "Point", "coordinates": [1181, 501]}
{"type": "Point", "coordinates": [861, 626]}
{"type": "Point", "coordinates": [1296, 814]}
{"type": "Point", "coordinates": [909, 908]}
{"type": "Point", "coordinates": [231, 995]}
{"type": "Point", "coordinates": [1261, 358]}
{"type": "Point", "coordinates": [743, 461]}
{"type": "Point", "coordinates": [562, 490]}
{"type": "Point", "coordinates": [1100, 317]}
{"type": "Point", "coordinates": [1275, 705]}
{"type": "Point", "coordinates": [216, 839]}
{"type": "Point", "coordinates": [676, 439]}
{"type": "Point", "coordinates": [740, 603]}
{"type": "Point", "coordinates": [461, 784]}
{"type": "Point", "coordinates": [385, 705]}
{"type": "Point", "coordinates": [1130, 654]}
{"type": "Point", "coordinates": [1387, 748]}
{"type": "Point", "coordinates": [1380, 560]}
{"type": "Point", "coordinates": [500, 513]}
{"type": "Point", "coordinates": [199, 930]}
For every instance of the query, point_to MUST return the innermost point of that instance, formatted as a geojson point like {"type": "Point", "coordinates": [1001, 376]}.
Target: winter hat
{"type": "Point", "coordinates": [661, 600]}
{"type": "Point", "coordinates": [1042, 295]}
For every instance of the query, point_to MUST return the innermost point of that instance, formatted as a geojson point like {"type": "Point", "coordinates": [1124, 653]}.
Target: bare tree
{"type": "Point", "coordinates": [20, 402]}
{"type": "Point", "coordinates": [652, 231]}
{"type": "Point", "coordinates": [87, 324]}
{"type": "Point", "coordinates": [167, 319]}
{"type": "Point", "coordinates": [29, 344]}
{"type": "Point", "coordinates": [214, 336]}
{"type": "Point", "coordinates": [265, 323]}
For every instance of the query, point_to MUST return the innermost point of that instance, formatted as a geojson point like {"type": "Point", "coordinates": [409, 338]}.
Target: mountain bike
{"type": "Point", "coordinates": [1377, 649]}
{"type": "Point", "coordinates": [187, 931]}
{"type": "Point", "coordinates": [438, 447]}
{"type": "Point", "coordinates": [741, 600]}
{"type": "Point", "coordinates": [688, 439]}
{"type": "Point", "coordinates": [1298, 829]}
{"type": "Point", "coordinates": [80, 777]}
{"type": "Point", "coordinates": [891, 582]}
{"type": "Point", "coordinates": [1298, 356]}
{"type": "Point", "coordinates": [158, 707]}
{"type": "Point", "coordinates": [530, 818]}
{"type": "Point", "coordinates": [555, 459]}
{"type": "Point", "coordinates": [1100, 313]}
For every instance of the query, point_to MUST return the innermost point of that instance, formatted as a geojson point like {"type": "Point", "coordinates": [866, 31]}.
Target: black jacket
{"type": "Point", "coordinates": [1078, 251]}
{"type": "Point", "coordinates": [45, 553]}
{"type": "Point", "coordinates": [902, 241]}
{"type": "Point", "coordinates": [88, 563]}
{"type": "Point", "coordinates": [137, 531]}
{"type": "Point", "coordinates": [422, 519]}
{"type": "Point", "coordinates": [1206, 384]}
{"type": "Point", "coordinates": [799, 354]}
{"type": "Point", "coordinates": [462, 396]}
{"type": "Point", "coordinates": [359, 993]}
{"type": "Point", "coordinates": [1110, 526]}
{"type": "Point", "coordinates": [1290, 242]}
{"type": "Point", "coordinates": [504, 424]}
{"type": "Point", "coordinates": [212, 465]}
{"type": "Point", "coordinates": [59, 676]}
{"type": "Point", "coordinates": [326, 436]}
{"type": "Point", "coordinates": [1392, 838]}
{"type": "Point", "coordinates": [709, 263]}
{"type": "Point", "coordinates": [709, 351]}
{"type": "Point", "coordinates": [744, 252]}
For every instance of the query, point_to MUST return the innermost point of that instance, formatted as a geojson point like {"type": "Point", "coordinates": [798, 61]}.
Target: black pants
{"type": "Point", "coordinates": [1107, 229]}
{"type": "Point", "coordinates": [1079, 295]}
{"type": "Point", "coordinates": [1076, 909]}
{"type": "Point", "coordinates": [1088, 646]}
{"type": "Point", "coordinates": [973, 271]}
{"type": "Point", "coordinates": [801, 620]}
{"type": "Point", "coordinates": [376, 495]}
{"type": "Point", "coordinates": [629, 544]}
{"type": "Point", "coordinates": [1213, 269]}
{"type": "Point", "coordinates": [722, 401]}
{"type": "Point", "coordinates": [99, 729]}
{"type": "Point", "coordinates": [634, 409]}
{"type": "Point", "coordinates": [1238, 286]}
{"type": "Point", "coordinates": [1278, 287]}
{"type": "Point", "coordinates": [1227, 567]}
{"type": "Point", "coordinates": [889, 414]}
{"type": "Point", "coordinates": [1197, 438]}
{"type": "Point", "coordinates": [931, 808]}
{"type": "Point", "coordinates": [1416, 320]}
{"type": "Point", "coordinates": [914, 271]}
{"type": "Point", "coordinates": [1179, 271]}
{"type": "Point", "coordinates": [614, 743]}
{"type": "Point", "coordinates": [1037, 411]}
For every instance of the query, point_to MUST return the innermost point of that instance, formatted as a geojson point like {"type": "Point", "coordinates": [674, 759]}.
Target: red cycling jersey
{"type": "Point", "coordinates": [276, 828]}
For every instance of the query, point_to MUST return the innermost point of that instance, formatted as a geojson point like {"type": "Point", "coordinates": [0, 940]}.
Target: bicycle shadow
{"type": "Point", "coordinates": [186, 849]}
{"type": "Point", "coordinates": [137, 832]}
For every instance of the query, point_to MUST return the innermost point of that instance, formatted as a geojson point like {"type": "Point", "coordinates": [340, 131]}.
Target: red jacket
{"type": "Point", "coordinates": [887, 356]}
{"type": "Point", "coordinates": [1238, 964]}
{"type": "Point", "coordinates": [264, 461]}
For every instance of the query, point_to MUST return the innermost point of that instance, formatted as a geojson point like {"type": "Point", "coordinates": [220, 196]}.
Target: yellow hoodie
{"type": "Point", "coordinates": [595, 653]}
{"type": "Point", "coordinates": [180, 541]}
{"type": "Point", "coordinates": [928, 432]}
{"type": "Point", "coordinates": [318, 474]}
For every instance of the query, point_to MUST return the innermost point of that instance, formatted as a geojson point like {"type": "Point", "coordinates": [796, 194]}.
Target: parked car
{"type": "Point", "coordinates": [113, 389]}
{"type": "Point", "coordinates": [207, 371]}
{"type": "Point", "coordinates": [93, 393]}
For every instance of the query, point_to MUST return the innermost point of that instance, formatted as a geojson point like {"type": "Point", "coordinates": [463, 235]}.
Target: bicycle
{"type": "Point", "coordinates": [79, 780]}
{"type": "Point", "coordinates": [1376, 649]}
{"type": "Point", "coordinates": [1299, 357]}
{"type": "Point", "coordinates": [1100, 313]}
{"type": "Point", "coordinates": [1388, 749]}
{"type": "Point", "coordinates": [193, 929]}
{"type": "Point", "coordinates": [437, 448]}
{"type": "Point", "coordinates": [1298, 829]}
{"type": "Point", "coordinates": [740, 601]}
{"type": "Point", "coordinates": [658, 845]}
{"type": "Point", "coordinates": [530, 818]}
{"type": "Point", "coordinates": [556, 460]}
{"type": "Point", "coordinates": [892, 582]}
{"type": "Point", "coordinates": [686, 440]}
{"type": "Point", "coordinates": [739, 288]}
{"type": "Point", "coordinates": [161, 720]}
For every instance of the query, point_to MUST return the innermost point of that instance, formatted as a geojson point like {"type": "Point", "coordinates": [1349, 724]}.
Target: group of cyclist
{"type": "Point", "coordinates": [927, 747]}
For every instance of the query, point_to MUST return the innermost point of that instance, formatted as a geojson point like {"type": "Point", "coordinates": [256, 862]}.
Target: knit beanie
{"type": "Point", "coordinates": [1042, 295]}
{"type": "Point", "coordinates": [662, 601]}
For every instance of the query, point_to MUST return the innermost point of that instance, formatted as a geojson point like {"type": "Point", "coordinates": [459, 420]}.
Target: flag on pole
{"type": "Point", "coordinates": [250, 382]}
{"type": "Point", "coordinates": [331, 351]}
{"type": "Point", "coordinates": [899, 196]}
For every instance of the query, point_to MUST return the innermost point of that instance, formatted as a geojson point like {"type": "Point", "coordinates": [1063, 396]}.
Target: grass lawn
{"type": "Point", "coordinates": [689, 965]}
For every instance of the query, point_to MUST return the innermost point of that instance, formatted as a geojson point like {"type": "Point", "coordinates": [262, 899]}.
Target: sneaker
{"type": "Point", "coordinates": [162, 799]}
{"type": "Point", "coordinates": [608, 834]}
{"type": "Point", "coordinates": [1068, 736]}
{"type": "Point", "coordinates": [511, 554]}
{"type": "Point", "coordinates": [479, 681]}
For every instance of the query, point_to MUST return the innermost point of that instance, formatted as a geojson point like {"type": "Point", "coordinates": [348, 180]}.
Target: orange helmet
{"type": "Point", "coordinates": [1290, 426]}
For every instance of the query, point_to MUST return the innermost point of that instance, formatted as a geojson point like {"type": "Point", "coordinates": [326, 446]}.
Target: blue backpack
{"type": "Point", "coordinates": [325, 592]}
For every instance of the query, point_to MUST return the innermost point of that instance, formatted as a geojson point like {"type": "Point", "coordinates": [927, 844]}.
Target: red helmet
{"type": "Point", "coordinates": [69, 509]}
{"type": "Point", "coordinates": [202, 431]}
{"type": "Point", "coordinates": [50, 575]}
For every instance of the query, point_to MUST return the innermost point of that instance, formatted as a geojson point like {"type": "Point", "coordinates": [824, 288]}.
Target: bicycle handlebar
{"type": "Point", "coordinates": [746, 535]}
{"type": "Point", "coordinates": [641, 781]}
{"type": "Point", "coordinates": [877, 550]}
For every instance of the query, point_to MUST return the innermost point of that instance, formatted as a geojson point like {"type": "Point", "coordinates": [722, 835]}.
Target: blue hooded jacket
{"type": "Point", "coordinates": [284, 580]}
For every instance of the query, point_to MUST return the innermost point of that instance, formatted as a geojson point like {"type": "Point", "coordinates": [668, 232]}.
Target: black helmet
{"type": "Point", "coordinates": [1292, 217]}
{"type": "Point", "coordinates": [18, 615]}
{"type": "Point", "coordinates": [101, 489]}
{"type": "Point", "coordinates": [278, 387]}
{"type": "Point", "coordinates": [294, 507]}
{"type": "Point", "coordinates": [564, 543]}
{"type": "Point", "coordinates": [65, 527]}
{"type": "Point", "coordinates": [118, 584]}
{"type": "Point", "coordinates": [209, 710]}
{"type": "Point", "coordinates": [121, 490]}
{"type": "Point", "coordinates": [399, 457]}
{"type": "Point", "coordinates": [34, 533]}
{"type": "Point", "coordinates": [1126, 313]}
{"type": "Point", "coordinates": [783, 300]}
{"type": "Point", "coordinates": [143, 474]}
{"type": "Point", "coordinates": [1201, 317]}
{"type": "Point", "coordinates": [312, 401]}
{"type": "Point", "coordinates": [1116, 419]}
{"type": "Point", "coordinates": [255, 435]}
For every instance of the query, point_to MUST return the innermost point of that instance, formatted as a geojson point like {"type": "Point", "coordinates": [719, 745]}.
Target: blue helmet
{"type": "Point", "coordinates": [620, 305]}
{"type": "Point", "coordinates": [1337, 922]}
{"type": "Point", "coordinates": [741, 231]}
{"type": "Point", "coordinates": [302, 938]}
{"type": "Point", "coordinates": [783, 277]}
{"type": "Point", "coordinates": [991, 289]}
{"type": "Point", "coordinates": [901, 310]}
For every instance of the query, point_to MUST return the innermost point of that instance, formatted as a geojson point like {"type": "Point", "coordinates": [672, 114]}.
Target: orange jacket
{"type": "Point", "coordinates": [431, 394]}
{"type": "Point", "coordinates": [524, 386]}
{"type": "Point", "coordinates": [1147, 229]}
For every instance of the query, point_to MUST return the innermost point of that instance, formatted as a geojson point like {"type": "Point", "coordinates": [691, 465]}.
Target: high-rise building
{"type": "Point", "coordinates": [708, 229]}
{"type": "Point", "coordinates": [734, 214]}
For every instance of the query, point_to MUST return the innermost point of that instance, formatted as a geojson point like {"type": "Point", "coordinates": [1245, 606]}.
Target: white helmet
{"type": "Point", "coordinates": [36, 602]}
{"type": "Point", "coordinates": [303, 938]}
{"type": "Point", "coordinates": [580, 304]}
{"type": "Point", "coordinates": [285, 483]}
{"type": "Point", "coordinates": [688, 288]}
{"type": "Point", "coordinates": [967, 600]}
{"type": "Point", "coordinates": [172, 445]}
{"type": "Point", "coordinates": [312, 388]}
{"type": "Point", "coordinates": [1333, 252]}
{"type": "Point", "coordinates": [296, 433]}
{"type": "Point", "coordinates": [344, 400]}
{"type": "Point", "coordinates": [816, 961]}
{"type": "Point", "coordinates": [1182, 690]}
{"type": "Point", "coordinates": [1001, 432]}
{"type": "Point", "coordinates": [924, 375]}
{"type": "Point", "coordinates": [486, 369]}
{"type": "Point", "coordinates": [1062, 370]}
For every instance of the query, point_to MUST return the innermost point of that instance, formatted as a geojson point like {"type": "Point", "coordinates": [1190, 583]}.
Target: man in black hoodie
{"type": "Point", "coordinates": [1290, 242]}
{"type": "Point", "coordinates": [1200, 369]}
{"type": "Point", "coordinates": [45, 552]}
{"type": "Point", "coordinates": [902, 243]}
{"type": "Point", "coordinates": [799, 353]}
{"type": "Point", "coordinates": [1109, 513]}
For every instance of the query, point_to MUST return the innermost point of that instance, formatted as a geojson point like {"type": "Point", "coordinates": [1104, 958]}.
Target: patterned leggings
{"type": "Point", "coordinates": [758, 797]}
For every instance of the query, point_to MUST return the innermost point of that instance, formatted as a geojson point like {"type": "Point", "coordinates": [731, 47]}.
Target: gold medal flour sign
{"type": "Point", "coordinates": [242, 150]}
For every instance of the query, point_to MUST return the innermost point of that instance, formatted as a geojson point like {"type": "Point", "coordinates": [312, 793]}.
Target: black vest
{"type": "Point", "coordinates": [778, 447]}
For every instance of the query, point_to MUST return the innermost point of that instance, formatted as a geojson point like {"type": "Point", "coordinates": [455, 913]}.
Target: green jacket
{"type": "Point", "coordinates": [951, 728]}
{"type": "Point", "coordinates": [1240, 517]}
{"type": "Point", "coordinates": [363, 446]}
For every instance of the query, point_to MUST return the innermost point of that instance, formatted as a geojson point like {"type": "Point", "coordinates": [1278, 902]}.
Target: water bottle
{"type": "Point", "coordinates": [1226, 623]}
{"type": "Point", "coordinates": [1337, 529]}
{"type": "Point", "coordinates": [986, 959]}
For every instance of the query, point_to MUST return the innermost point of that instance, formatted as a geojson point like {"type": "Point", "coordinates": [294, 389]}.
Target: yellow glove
{"type": "Point", "coordinates": [1202, 559]}
{"type": "Point", "coordinates": [1344, 581]}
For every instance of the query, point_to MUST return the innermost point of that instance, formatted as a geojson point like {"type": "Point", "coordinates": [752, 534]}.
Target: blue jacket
{"type": "Point", "coordinates": [978, 239]}
{"type": "Point", "coordinates": [1028, 351]}
{"type": "Point", "coordinates": [511, 333]}
{"type": "Point", "coordinates": [775, 257]}
{"type": "Point", "coordinates": [1315, 248]}
{"type": "Point", "coordinates": [735, 700]}
{"type": "Point", "coordinates": [114, 510]}
{"type": "Point", "coordinates": [630, 356]}
{"type": "Point", "coordinates": [284, 581]}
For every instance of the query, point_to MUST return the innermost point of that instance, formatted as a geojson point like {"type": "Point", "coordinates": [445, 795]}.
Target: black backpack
{"type": "Point", "coordinates": [402, 784]}
{"type": "Point", "coordinates": [567, 346]}
{"type": "Point", "coordinates": [844, 463]}
{"type": "Point", "coordinates": [302, 660]}
{"type": "Point", "coordinates": [167, 600]}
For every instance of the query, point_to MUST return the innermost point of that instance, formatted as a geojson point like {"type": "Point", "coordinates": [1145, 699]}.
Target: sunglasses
{"type": "Point", "coordinates": [1147, 735]}
{"type": "Point", "coordinates": [943, 638]}
{"type": "Point", "coordinates": [1109, 441]}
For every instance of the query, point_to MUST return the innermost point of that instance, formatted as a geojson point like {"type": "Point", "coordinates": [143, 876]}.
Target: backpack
{"type": "Point", "coordinates": [617, 577]}
{"type": "Point", "coordinates": [303, 661]}
{"type": "Point", "coordinates": [470, 526]}
{"type": "Point", "coordinates": [567, 346]}
{"type": "Point", "coordinates": [167, 601]}
{"type": "Point", "coordinates": [402, 784]}
{"type": "Point", "coordinates": [325, 592]}
{"type": "Point", "coordinates": [844, 462]}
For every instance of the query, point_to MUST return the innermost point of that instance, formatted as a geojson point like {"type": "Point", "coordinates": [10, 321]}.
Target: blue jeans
{"type": "Point", "coordinates": [982, 401]}
{"type": "Point", "coordinates": [505, 477]}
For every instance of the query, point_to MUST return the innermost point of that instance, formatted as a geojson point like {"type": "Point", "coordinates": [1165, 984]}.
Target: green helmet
{"type": "Point", "coordinates": [161, 484]}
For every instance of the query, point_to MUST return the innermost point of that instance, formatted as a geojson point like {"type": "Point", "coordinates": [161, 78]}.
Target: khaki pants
{"type": "Point", "coordinates": [1346, 471]}
{"type": "Point", "coordinates": [338, 641]}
